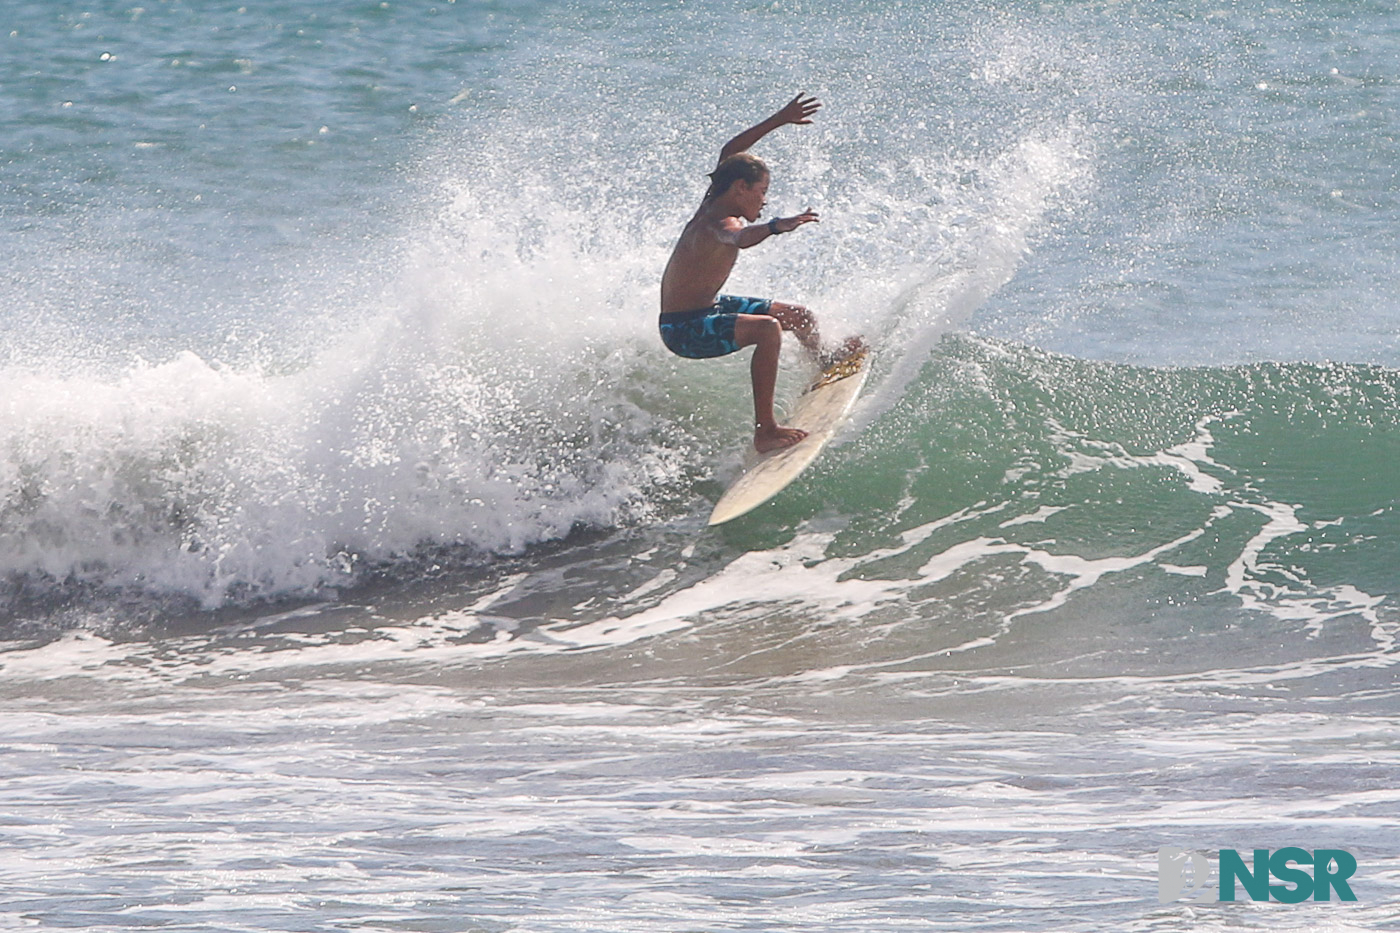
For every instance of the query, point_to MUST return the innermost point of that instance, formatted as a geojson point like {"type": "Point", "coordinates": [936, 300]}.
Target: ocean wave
{"type": "Point", "coordinates": [505, 390]}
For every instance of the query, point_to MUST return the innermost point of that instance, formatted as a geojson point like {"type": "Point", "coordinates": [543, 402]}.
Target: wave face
{"type": "Point", "coordinates": [1262, 487]}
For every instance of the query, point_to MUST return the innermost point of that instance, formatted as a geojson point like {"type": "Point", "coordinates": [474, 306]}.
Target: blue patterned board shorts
{"type": "Point", "coordinates": [707, 332]}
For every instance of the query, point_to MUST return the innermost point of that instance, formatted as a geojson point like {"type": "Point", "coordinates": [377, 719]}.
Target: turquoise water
{"type": "Point", "coordinates": [353, 566]}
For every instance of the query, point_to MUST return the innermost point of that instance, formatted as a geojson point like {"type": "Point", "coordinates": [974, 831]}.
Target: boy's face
{"type": "Point", "coordinates": [752, 197]}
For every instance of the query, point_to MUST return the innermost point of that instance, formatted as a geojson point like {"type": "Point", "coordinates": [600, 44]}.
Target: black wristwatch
{"type": "Point", "coordinates": [773, 227]}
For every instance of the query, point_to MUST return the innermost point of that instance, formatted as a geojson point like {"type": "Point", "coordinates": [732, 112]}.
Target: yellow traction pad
{"type": "Point", "coordinates": [841, 369]}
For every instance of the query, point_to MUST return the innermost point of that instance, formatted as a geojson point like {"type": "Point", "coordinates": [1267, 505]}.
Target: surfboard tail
{"type": "Point", "coordinates": [819, 411]}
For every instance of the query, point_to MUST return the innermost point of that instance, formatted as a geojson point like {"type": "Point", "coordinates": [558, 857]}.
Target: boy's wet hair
{"type": "Point", "coordinates": [741, 166]}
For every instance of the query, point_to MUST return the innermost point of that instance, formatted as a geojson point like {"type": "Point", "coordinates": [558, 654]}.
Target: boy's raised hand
{"type": "Point", "coordinates": [799, 110]}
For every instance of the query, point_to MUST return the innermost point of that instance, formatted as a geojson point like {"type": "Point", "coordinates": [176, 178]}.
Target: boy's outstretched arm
{"type": "Point", "coordinates": [798, 111]}
{"type": "Point", "coordinates": [736, 233]}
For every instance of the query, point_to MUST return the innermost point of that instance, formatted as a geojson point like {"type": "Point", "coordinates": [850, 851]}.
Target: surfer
{"type": "Point", "coordinates": [698, 322]}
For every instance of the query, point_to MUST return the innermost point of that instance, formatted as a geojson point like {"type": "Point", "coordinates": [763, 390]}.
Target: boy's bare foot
{"type": "Point", "coordinates": [775, 437]}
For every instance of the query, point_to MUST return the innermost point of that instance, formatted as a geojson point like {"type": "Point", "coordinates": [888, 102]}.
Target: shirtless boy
{"type": "Point", "coordinates": [697, 321]}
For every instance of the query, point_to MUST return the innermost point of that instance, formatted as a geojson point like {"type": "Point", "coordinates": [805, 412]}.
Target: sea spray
{"type": "Point", "coordinates": [989, 230]}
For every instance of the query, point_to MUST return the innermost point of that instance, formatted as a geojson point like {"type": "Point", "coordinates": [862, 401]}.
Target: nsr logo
{"type": "Point", "coordinates": [1180, 869]}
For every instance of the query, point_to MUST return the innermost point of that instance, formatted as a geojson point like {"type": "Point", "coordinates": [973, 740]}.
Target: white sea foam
{"type": "Point", "coordinates": [475, 409]}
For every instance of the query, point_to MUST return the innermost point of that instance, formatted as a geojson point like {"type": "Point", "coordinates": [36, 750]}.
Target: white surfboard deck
{"type": "Point", "coordinates": [819, 411]}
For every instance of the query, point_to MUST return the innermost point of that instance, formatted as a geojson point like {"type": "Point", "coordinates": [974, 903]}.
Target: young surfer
{"type": "Point", "coordinates": [697, 321]}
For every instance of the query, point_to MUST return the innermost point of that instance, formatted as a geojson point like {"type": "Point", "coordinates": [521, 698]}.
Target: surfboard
{"type": "Point", "coordinates": [819, 411]}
